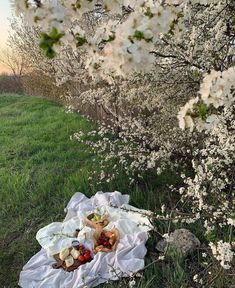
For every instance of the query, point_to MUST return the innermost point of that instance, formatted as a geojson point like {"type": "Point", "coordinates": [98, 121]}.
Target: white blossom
{"type": "Point", "coordinates": [223, 253]}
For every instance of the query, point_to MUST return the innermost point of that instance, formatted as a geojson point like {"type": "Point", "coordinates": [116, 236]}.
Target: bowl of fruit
{"type": "Point", "coordinates": [71, 258]}
{"type": "Point", "coordinates": [105, 241]}
{"type": "Point", "coordinates": [97, 221]}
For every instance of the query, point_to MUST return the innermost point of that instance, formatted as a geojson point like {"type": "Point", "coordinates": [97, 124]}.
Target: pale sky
{"type": "Point", "coordinates": [5, 12]}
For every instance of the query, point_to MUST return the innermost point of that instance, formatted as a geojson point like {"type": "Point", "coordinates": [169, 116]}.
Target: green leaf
{"type": "Point", "coordinates": [43, 44]}
{"type": "Point", "coordinates": [47, 42]}
{"type": "Point", "coordinates": [139, 35]}
{"type": "Point", "coordinates": [202, 111]}
{"type": "Point", "coordinates": [50, 53]}
{"type": "Point", "coordinates": [196, 73]}
{"type": "Point", "coordinates": [111, 37]}
{"type": "Point", "coordinates": [80, 40]}
{"type": "Point", "coordinates": [148, 12]}
{"type": "Point", "coordinates": [211, 236]}
{"type": "Point", "coordinates": [54, 33]}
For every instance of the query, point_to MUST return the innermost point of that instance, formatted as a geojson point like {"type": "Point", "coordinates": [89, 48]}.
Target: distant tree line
{"type": "Point", "coordinates": [10, 84]}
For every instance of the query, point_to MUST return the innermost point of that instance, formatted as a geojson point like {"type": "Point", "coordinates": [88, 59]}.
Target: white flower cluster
{"type": "Point", "coordinates": [141, 120]}
{"type": "Point", "coordinates": [223, 253]}
{"type": "Point", "coordinates": [214, 163]}
{"type": "Point", "coordinates": [185, 114]}
{"type": "Point", "coordinates": [127, 43]}
{"type": "Point", "coordinates": [211, 190]}
{"type": "Point", "coordinates": [217, 89]}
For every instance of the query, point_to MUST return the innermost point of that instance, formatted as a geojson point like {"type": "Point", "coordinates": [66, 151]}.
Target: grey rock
{"type": "Point", "coordinates": [182, 240]}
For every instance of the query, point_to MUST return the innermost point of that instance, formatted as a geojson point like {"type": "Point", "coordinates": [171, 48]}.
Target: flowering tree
{"type": "Point", "coordinates": [186, 50]}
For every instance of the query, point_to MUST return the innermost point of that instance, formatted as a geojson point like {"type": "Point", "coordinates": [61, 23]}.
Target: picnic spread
{"type": "Point", "coordinates": [101, 238]}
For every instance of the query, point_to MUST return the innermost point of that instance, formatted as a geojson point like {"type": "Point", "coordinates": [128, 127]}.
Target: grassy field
{"type": "Point", "coordinates": [41, 168]}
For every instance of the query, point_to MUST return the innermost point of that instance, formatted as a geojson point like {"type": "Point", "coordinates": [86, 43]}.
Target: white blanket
{"type": "Point", "coordinates": [128, 257]}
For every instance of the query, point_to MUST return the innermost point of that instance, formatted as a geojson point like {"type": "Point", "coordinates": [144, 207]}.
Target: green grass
{"type": "Point", "coordinates": [41, 168]}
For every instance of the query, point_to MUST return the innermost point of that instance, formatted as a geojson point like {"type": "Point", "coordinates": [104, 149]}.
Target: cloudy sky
{"type": "Point", "coordinates": [5, 12]}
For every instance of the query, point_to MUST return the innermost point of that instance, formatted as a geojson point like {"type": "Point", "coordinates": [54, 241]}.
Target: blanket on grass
{"type": "Point", "coordinates": [132, 223]}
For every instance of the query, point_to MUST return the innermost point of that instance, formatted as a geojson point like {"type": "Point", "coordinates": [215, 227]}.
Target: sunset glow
{"type": "Point", "coordinates": [5, 13]}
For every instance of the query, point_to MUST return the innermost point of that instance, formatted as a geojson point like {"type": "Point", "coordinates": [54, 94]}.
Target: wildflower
{"type": "Point", "coordinates": [132, 283]}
